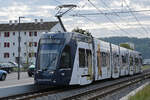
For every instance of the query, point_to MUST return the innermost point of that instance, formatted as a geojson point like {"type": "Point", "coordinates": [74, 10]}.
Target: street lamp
{"type": "Point", "coordinates": [19, 48]}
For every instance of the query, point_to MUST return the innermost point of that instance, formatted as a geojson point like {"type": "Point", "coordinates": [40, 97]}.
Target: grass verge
{"type": "Point", "coordinates": [144, 94]}
{"type": "Point", "coordinates": [145, 67]}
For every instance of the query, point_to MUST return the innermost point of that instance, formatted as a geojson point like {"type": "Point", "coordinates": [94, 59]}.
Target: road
{"type": "Point", "coordinates": [12, 80]}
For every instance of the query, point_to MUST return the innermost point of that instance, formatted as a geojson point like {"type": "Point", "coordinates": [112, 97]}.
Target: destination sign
{"type": "Point", "coordinates": [50, 41]}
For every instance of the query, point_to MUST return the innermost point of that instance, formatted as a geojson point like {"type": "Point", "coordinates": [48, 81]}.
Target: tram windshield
{"type": "Point", "coordinates": [48, 54]}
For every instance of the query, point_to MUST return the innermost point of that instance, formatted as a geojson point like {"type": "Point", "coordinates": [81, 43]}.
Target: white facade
{"type": "Point", "coordinates": [29, 43]}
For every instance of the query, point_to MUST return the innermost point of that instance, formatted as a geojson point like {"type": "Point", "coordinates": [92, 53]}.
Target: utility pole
{"type": "Point", "coordinates": [19, 47]}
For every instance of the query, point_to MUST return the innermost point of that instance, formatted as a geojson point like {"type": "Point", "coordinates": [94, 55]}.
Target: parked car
{"type": "Point", "coordinates": [7, 67]}
{"type": "Point", "coordinates": [14, 64]}
{"type": "Point", "coordinates": [3, 75]}
{"type": "Point", "coordinates": [31, 70]}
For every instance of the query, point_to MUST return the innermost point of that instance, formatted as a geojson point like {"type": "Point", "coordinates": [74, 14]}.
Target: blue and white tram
{"type": "Point", "coordinates": [76, 59]}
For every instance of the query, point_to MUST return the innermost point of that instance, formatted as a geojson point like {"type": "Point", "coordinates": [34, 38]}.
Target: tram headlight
{"type": "Point", "coordinates": [54, 81]}
{"type": "Point", "coordinates": [62, 74]}
{"type": "Point", "coordinates": [51, 72]}
{"type": "Point", "coordinates": [38, 71]}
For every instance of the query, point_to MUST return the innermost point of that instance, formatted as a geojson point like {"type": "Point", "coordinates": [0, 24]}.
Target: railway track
{"type": "Point", "coordinates": [22, 95]}
{"type": "Point", "coordinates": [89, 92]}
{"type": "Point", "coordinates": [98, 93]}
{"type": "Point", "coordinates": [38, 93]}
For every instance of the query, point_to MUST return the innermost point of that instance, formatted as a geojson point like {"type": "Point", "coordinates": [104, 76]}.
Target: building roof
{"type": "Point", "coordinates": [28, 26]}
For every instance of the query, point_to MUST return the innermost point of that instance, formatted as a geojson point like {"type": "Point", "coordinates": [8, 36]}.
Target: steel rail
{"type": "Point", "coordinates": [26, 94]}
{"type": "Point", "coordinates": [39, 93]}
{"type": "Point", "coordinates": [115, 88]}
{"type": "Point", "coordinates": [103, 91]}
{"type": "Point", "coordinates": [122, 82]}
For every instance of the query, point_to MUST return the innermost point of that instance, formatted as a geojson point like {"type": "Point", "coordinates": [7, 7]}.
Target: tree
{"type": "Point", "coordinates": [125, 45]}
{"type": "Point", "coordinates": [85, 32]}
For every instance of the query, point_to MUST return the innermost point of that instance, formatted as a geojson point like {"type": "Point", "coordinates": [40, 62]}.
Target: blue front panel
{"type": "Point", "coordinates": [57, 75]}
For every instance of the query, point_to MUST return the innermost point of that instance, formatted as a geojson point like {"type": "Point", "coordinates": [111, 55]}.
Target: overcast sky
{"type": "Point", "coordinates": [98, 25]}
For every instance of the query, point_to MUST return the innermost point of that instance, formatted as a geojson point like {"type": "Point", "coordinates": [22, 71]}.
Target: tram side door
{"type": "Point", "coordinates": [85, 66]}
{"type": "Point", "coordinates": [115, 65]}
{"type": "Point", "coordinates": [131, 65]}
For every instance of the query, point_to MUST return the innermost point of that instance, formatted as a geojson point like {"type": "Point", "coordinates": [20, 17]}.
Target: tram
{"type": "Point", "coordinates": [70, 58]}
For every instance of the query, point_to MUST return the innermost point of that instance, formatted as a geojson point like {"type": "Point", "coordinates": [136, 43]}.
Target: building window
{"type": "Point", "coordinates": [13, 33]}
{"type": "Point", "coordinates": [13, 54]}
{"type": "Point", "coordinates": [35, 54]}
{"type": "Point", "coordinates": [6, 44]}
{"type": "Point", "coordinates": [30, 55]}
{"type": "Point", "coordinates": [25, 33]}
{"type": "Point", "coordinates": [30, 33]}
{"type": "Point", "coordinates": [6, 34]}
{"type": "Point", "coordinates": [13, 43]}
{"type": "Point", "coordinates": [35, 44]}
{"type": "Point", "coordinates": [30, 44]}
{"type": "Point", "coordinates": [35, 33]}
{"type": "Point", "coordinates": [6, 55]}
{"type": "Point", "coordinates": [25, 54]}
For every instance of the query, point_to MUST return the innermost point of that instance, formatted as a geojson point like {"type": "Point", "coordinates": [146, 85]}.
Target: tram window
{"type": "Point", "coordinates": [131, 61]}
{"type": "Point", "coordinates": [140, 61]}
{"type": "Point", "coordinates": [65, 61]}
{"type": "Point", "coordinates": [136, 61]}
{"type": "Point", "coordinates": [82, 58]}
{"type": "Point", "coordinates": [108, 59]}
{"type": "Point", "coordinates": [103, 60]}
{"type": "Point", "coordinates": [124, 59]}
{"type": "Point", "coordinates": [103, 57]}
{"type": "Point", "coordinates": [116, 59]}
{"type": "Point", "coordinates": [89, 58]}
{"type": "Point", "coordinates": [99, 59]}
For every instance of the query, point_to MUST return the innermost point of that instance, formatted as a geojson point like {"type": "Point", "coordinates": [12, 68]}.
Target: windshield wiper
{"type": "Point", "coordinates": [53, 59]}
{"type": "Point", "coordinates": [45, 69]}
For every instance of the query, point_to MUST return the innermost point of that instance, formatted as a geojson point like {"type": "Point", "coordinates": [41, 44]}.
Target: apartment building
{"type": "Point", "coordinates": [30, 34]}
